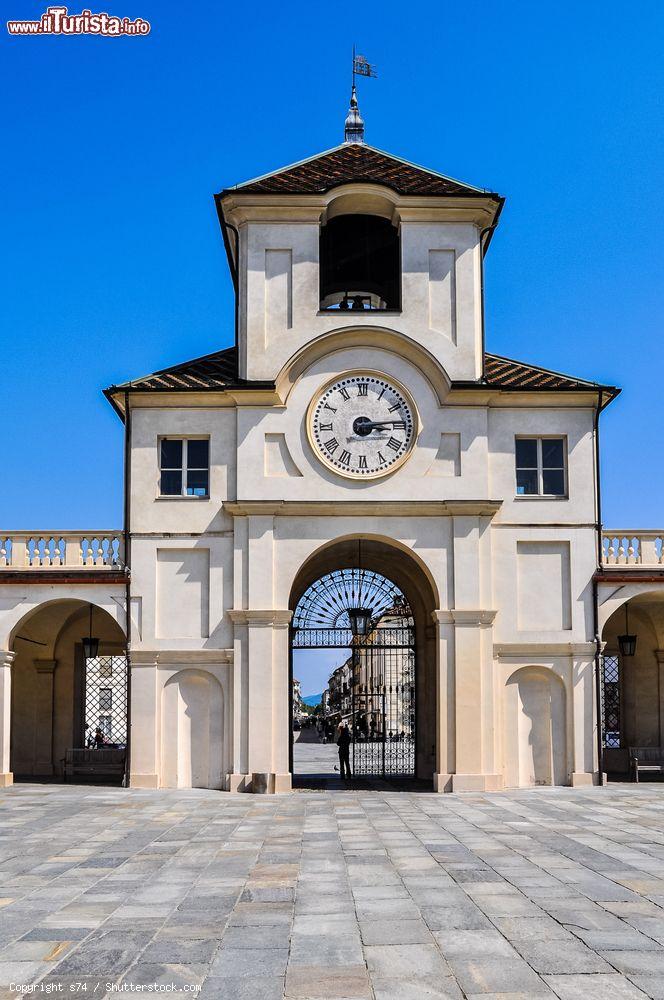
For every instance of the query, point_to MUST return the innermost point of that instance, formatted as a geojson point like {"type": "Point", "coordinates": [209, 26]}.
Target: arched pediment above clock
{"type": "Point", "coordinates": [366, 338]}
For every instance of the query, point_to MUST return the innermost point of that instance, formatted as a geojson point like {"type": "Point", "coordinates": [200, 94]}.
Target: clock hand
{"type": "Point", "coordinates": [370, 425]}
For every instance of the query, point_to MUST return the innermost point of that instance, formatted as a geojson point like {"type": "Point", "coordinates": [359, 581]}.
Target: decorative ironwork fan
{"type": "Point", "coordinates": [331, 601]}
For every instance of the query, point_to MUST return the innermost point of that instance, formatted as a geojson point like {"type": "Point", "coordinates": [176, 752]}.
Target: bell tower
{"type": "Point", "coordinates": [356, 238]}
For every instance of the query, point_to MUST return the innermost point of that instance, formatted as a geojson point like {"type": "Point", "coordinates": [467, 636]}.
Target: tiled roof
{"type": "Point", "coordinates": [356, 162]}
{"type": "Point", "coordinates": [503, 373]}
{"type": "Point", "coordinates": [213, 371]}
{"type": "Point", "coordinates": [219, 370]}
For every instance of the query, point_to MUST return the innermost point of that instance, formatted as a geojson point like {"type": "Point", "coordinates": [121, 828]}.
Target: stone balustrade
{"type": "Point", "coordinates": [26, 550]}
{"type": "Point", "coordinates": [632, 547]}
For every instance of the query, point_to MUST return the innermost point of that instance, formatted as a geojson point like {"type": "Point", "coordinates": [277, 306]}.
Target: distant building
{"type": "Point", "coordinates": [298, 704]}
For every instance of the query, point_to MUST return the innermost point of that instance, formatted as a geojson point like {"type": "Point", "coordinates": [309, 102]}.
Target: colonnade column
{"type": "Point", "coordinates": [6, 657]}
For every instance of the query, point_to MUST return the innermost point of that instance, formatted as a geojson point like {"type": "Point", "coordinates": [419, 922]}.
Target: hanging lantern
{"type": "Point", "coordinates": [90, 643]}
{"type": "Point", "coordinates": [360, 621]}
{"type": "Point", "coordinates": [627, 642]}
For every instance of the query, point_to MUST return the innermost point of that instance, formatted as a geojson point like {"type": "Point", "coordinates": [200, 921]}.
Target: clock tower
{"type": "Point", "coordinates": [357, 473]}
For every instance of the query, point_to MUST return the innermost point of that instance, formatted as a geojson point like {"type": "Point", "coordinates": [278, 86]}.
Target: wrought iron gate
{"type": "Point", "coordinates": [105, 701]}
{"type": "Point", "coordinates": [383, 704]}
{"type": "Point", "coordinates": [373, 691]}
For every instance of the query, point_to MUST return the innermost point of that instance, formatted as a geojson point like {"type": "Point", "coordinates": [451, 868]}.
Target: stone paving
{"type": "Point", "coordinates": [312, 756]}
{"type": "Point", "coordinates": [360, 894]}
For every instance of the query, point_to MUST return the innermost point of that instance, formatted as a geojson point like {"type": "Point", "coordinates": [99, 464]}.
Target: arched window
{"type": "Point", "coordinates": [359, 263]}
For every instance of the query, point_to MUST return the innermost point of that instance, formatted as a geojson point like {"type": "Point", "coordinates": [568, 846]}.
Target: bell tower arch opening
{"type": "Point", "coordinates": [360, 252]}
{"type": "Point", "coordinates": [363, 660]}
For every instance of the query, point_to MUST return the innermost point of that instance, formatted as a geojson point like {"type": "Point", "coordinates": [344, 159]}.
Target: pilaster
{"type": "Point", "coordinates": [475, 768]}
{"type": "Point", "coordinates": [583, 707]}
{"type": "Point", "coordinates": [43, 700]}
{"type": "Point", "coordinates": [659, 653]}
{"type": "Point", "coordinates": [144, 761]}
{"type": "Point", "coordinates": [445, 716]}
{"type": "Point", "coordinates": [6, 658]}
{"type": "Point", "coordinates": [262, 644]}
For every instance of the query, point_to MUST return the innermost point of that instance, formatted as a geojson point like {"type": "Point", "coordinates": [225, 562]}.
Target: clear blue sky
{"type": "Point", "coordinates": [113, 262]}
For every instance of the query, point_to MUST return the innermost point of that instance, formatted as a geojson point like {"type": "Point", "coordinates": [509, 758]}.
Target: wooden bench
{"type": "Point", "coordinates": [649, 760]}
{"type": "Point", "coordinates": [106, 762]}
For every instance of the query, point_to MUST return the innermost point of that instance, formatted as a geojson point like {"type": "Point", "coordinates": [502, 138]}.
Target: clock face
{"type": "Point", "coordinates": [362, 425]}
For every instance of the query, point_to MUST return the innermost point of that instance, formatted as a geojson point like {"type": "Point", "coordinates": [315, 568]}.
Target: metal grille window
{"type": "Point", "coordinates": [106, 698]}
{"type": "Point", "coordinates": [184, 465]}
{"type": "Point", "coordinates": [611, 701]}
{"type": "Point", "coordinates": [540, 466]}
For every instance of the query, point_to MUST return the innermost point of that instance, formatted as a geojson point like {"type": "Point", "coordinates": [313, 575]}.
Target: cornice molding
{"type": "Point", "coordinates": [477, 617]}
{"type": "Point", "coordinates": [530, 649]}
{"type": "Point", "coordinates": [464, 616]}
{"type": "Point", "coordinates": [170, 657]}
{"type": "Point", "coordinates": [45, 666]}
{"type": "Point", "coordinates": [275, 618]}
{"type": "Point", "coordinates": [363, 508]}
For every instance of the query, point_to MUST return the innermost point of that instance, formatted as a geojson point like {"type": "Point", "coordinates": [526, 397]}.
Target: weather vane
{"type": "Point", "coordinates": [354, 127]}
{"type": "Point", "coordinates": [361, 67]}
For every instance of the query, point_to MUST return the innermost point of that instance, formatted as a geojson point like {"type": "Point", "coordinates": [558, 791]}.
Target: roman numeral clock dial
{"type": "Point", "coordinates": [362, 425]}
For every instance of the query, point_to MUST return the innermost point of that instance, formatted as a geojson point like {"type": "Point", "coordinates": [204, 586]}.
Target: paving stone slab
{"type": "Point", "coordinates": [243, 988]}
{"type": "Point", "coordinates": [395, 932]}
{"type": "Point", "coordinates": [473, 944]}
{"type": "Point", "coordinates": [496, 974]}
{"type": "Point", "coordinates": [594, 987]}
{"type": "Point", "coordinates": [320, 983]}
{"type": "Point", "coordinates": [416, 988]}
{"type": "Point", "coordinates": [405, 960]}
{"type": "Point", "coordinates": [238, 962]}
{"type": "Point", "coordinates": [564, 957]}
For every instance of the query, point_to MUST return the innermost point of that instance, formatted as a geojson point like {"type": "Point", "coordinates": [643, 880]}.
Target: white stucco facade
{"type": "Point", "coordinates": [502, 584]}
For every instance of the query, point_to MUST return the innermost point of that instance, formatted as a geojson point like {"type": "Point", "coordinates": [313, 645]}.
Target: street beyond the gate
{"type": "Point", "coordinates": [392, 896]}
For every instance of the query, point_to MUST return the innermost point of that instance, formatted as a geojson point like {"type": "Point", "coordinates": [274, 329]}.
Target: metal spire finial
{"type": "Point", "coordinates": [354, 126]}
{"type": "Point", "coordinates": [354, 129]}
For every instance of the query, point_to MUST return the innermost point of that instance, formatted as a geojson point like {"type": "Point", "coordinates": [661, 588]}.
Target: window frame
{"type": "Point", "coordinates": [541, 495]}
{"type": "Point", "coordinates": [183, 469]}
{"type": "Point", "coordinates": [107, 693]}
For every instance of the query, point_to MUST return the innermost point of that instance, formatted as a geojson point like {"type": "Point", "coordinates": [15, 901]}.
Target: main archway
{"type": "Point", "coordinates": [362, 638]}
